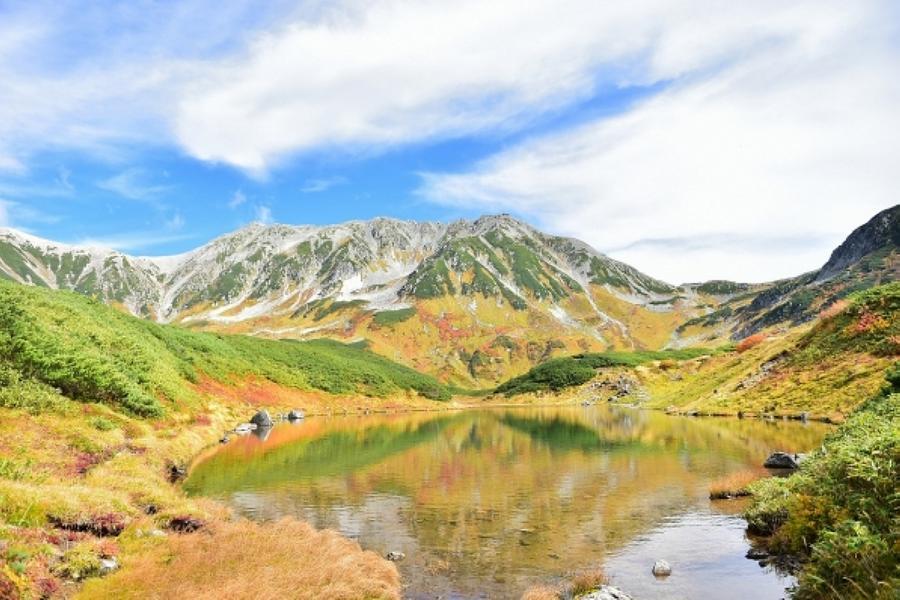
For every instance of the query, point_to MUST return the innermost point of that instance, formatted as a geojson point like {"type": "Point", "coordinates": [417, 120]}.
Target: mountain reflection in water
{"type": "Point", "coordinates": [485, 503]}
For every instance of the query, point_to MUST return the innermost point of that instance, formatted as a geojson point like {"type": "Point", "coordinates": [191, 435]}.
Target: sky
{"type": "Point", "coordinates": [692, 139]}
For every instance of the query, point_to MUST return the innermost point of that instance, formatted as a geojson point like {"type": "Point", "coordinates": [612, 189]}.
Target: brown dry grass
{"type": "Point", "coordinates": [580, 583]}
{"type": "Point", "coordinates": [734, 484]}
{"type": "Point", "coordinates": [587, 581]}
{"type": "Point", "coordinates": [286, 559]}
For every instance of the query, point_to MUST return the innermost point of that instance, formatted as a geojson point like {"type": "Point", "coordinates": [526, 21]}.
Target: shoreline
{"type": "Point", "coordinates": [181, 440]}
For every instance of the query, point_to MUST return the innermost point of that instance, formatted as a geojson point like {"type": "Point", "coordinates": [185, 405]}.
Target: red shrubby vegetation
{"type": "Point", "coordinates": [749, 342]}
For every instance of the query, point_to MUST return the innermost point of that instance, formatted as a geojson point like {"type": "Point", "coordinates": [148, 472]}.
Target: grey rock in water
{"type": "Point", "coordinates": [605, 592]}
{"type": "Point", "coordinates": [395, 556]}
{"type": "Point", "coordinates": [108, 565]}
{"type": "Point", "coordinates": [262, 419]}
{"type": "Point", "coordinates": [296, 415]}
{"type": "Point", "coordinates": [780, 460]}
{"type": "Point", "coordinates": [756, 554]}
{"type": "Point", "coordinates": [661, 568]}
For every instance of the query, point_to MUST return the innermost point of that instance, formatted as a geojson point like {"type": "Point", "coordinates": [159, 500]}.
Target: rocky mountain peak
{"type": "Point", "coordinates": [881, 232]}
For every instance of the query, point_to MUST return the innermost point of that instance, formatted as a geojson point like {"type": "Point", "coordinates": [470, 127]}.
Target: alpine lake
{"type": "Point", "coordinates": [485, 503]}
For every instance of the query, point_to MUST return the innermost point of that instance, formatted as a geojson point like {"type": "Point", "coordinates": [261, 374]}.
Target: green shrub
{"type": "Point", "coordinates": [842, 510]}
{"type": "Point", "coordinates": [102, 424]}
{"type": "Point", "coordinates": [387, 318]}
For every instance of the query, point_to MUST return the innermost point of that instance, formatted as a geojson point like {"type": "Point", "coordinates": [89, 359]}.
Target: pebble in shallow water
{"type": "Point", "coordinates": [662, 569]}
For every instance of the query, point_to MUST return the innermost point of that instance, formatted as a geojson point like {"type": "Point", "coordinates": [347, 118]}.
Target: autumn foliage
{"type": "Point", "coordinates": [751, 342]}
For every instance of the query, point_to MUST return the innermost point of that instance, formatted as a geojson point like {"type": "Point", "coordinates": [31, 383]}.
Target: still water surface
{"type": "Point", "coordinates": [485, 503]}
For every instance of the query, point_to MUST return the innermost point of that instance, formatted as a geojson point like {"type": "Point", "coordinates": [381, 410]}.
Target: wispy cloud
{"type": "Point", "coordinates": [175, 223]}
{"type": "Point", "coordinates": [134, 184]}
{"type": "Point", "coordinates": [63, 177]}
{"type": "Point", "coordinates": [21, 216]}
{"type": "Point", "coordinates": [314, 186]}
{"type": "Point", "coordinates": [133, 241]}
{"type": "Point", "coordinates": [237, 199]}
{"type": "Point", "coordinates": [264, 214]}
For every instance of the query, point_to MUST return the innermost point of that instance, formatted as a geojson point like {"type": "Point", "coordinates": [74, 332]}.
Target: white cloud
{"type": "Point", "coordinates": [237, 199]}
{"type": "Point", "coordinates": [175, 223]}
{"type": "Point", "coordinates": [134, 184]}
{"type": "Point", "coordinates": [315, 186]}
{"type": "Point", "coordinates": [104, 79]}
{"type": "Point", "coordinates": [264, 214]}
{"type": "Point", "coordinates": [384, 73]}
{"type": "Point", "coordinates": [772, 157]}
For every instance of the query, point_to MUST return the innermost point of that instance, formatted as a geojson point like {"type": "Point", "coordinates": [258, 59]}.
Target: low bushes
{"type": "Point", "coordinates": [841, 512]}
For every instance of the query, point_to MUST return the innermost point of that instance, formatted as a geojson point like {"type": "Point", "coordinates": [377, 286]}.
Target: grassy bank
{"type": "Point", "coordinates": [841, 512]}
{"type": "Point", "coordinates": [96, 408]}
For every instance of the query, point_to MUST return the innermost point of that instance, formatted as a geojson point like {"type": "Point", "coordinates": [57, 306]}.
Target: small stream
{"type": "Point", "coordinates": [487, 502]}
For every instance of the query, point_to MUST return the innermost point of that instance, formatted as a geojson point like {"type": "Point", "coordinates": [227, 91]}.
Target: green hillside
{"type": "Point", "coordinates": [570, 371]}
{"type": "Point", "coordinates": [57, 345]}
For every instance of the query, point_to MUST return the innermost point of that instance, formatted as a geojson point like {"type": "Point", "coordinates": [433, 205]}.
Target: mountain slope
{"type": "Point", "coordinates": [55, 344]}
{"type": "Point", "coordinates": [870, 256]}
{"type": "Point", "coordinates": [472, 302]}
{"type": "Point", "coordinates": [477, 298]}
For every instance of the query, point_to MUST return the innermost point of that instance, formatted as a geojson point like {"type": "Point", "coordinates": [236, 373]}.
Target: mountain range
{"type": "Point", "coordinates": [472, 302]}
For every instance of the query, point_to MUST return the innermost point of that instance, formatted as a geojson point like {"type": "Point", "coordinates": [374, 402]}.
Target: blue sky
{"type": "Point", "coordinates": [691, 139]}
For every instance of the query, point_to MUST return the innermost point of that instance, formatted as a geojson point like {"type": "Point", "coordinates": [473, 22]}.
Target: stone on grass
{"type": "Point", "coordinates": [108, 565]}
{"type": "Point", "coordinates": [395, 556]}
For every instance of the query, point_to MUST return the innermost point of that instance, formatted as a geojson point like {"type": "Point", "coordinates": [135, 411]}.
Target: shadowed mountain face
{"type": "Point", "coordinates": [868, 257]}
{"type": "Point", "coordinates": [472, 301]}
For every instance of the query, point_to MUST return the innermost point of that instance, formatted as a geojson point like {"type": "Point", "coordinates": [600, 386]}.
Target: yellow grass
{"type": "Point", "coordinates": [237, 560]}
{"type": "Point", "coordinates": [541, 592]}
{"type": "Point", "coordinates": [735, 484]}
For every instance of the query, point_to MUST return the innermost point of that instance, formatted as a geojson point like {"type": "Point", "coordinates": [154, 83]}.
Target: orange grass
{"type": "Point", "coordinates": [237, 560]}
{"type": "Point", "coordinates": [734, 485]}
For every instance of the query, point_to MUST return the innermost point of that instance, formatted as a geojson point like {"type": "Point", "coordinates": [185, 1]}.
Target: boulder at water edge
{"type": "Point", "coordinates": [780, 460]}
{"type": "Point", "coordinates": [605, 592]}
{"type": "Point", "coordinates": [296, 415]}
{"type": "Point", "coordinates": [262, 419]}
